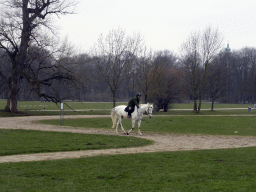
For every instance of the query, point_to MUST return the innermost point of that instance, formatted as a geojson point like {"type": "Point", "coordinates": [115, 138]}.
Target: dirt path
{"type": "Point", "coordinates": [161, 142]}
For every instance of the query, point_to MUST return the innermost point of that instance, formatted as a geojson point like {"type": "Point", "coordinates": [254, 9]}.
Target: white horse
{"type": "Point", "coordinates": [118, 112]}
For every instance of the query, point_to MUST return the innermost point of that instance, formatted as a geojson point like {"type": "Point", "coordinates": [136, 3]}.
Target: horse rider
{"type": "Point", "coordinates": [132, 103]}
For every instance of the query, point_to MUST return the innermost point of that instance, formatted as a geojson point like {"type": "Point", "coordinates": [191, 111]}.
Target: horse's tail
{"type": "Point", "coordinates": [113, 116]}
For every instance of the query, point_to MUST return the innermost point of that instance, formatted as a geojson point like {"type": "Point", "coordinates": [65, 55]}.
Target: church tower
{"type": "Point", "coordinates": [228, 49]}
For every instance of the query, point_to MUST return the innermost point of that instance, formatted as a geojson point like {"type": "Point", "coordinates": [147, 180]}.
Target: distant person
{"type": "Point", "coordinates": [132, 103]}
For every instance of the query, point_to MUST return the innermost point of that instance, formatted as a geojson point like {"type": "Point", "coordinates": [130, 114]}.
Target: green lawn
{"type": "Point", "coordinates": [213, 125]}
{"type": "Point", "coordinates": [69, 105]}
{"type": "Point", "coordinates": [14, 142]}
{"type": "Point", "coordinates": [186, 171]}
{"type": "Point", "coordinates": [104, 108]}
{"type": "Point", "coordinates": [206, 105]}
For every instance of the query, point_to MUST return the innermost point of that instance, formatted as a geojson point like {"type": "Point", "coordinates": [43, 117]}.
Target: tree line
{"type": "Point", "coordinates": [36, 66]}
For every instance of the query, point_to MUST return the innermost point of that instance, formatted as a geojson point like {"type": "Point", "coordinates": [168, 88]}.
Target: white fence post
{"type": "Point", "coordinates": [61, 113]}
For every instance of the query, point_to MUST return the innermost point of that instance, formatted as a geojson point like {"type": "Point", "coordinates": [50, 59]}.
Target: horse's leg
{"type": "Point", "coordinates": [117, 125]}
{"type": "Point", "coordinates": [121, 125]}
{"type": "Point", "coordinates": [133, 125]}
{"type": "Point", "coordinates": [139, 122]}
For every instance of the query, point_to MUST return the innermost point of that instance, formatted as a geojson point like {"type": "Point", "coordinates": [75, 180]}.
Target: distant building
{"type": "Point", "coordinates": [228, 49]}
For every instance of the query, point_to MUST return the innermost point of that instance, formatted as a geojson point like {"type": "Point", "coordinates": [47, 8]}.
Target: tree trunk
{"type": "Point", "coordinates": [114, 98]}
{"type": "Point", "coordinates": [199, 105]}
{"type": "Point", "coordinates": [7, 107]}
{"type": "Point", "coordinates": [14, 90]}
{"type": "Point", "coordinates": [212, 104]}
{"type": "Point", "coordinates": [18, 59]}
{"type": "Point", "coordinates": [146, 98]}
{"type": "Point", "coordinates": [195, 105]}
{"type": "Point", "coordinates": [11, 105]}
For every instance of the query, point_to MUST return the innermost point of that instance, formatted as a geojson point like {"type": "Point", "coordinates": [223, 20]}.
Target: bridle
{"type": "Point", "coordinates": [148, 111]}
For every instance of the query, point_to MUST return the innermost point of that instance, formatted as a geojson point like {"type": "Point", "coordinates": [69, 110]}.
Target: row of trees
{"type": "Point", "coordinates": [119, 66]}
{"type": "Point", "coordinates": [34, 65]}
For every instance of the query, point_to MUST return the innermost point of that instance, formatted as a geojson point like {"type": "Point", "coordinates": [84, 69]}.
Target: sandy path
{"type": "Point", "coordinates": [161, 142]}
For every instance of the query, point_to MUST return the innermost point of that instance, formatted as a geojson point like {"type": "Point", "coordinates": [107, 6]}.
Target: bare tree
{"type": "Point", "coordinates": [191, 64]}
{"type": "Point", "coordinates": [216, 80]}
{"type": "Point", "coordinates": [51, 77]}
{"type": "Point", "coordinates": [21, 25]}
{"type": "Point", "coordinates": [5, 71]}
{"type": "Point", "coordinates": [198, 52]}
{"type": "Point", "coordinates": [114, 58]}
{"type": "Point", "coordinates": [250, 60]}
{"type": "Point", "coordinates": [143, 73]}
{"type": "Point", "coordinates": [164, 87]}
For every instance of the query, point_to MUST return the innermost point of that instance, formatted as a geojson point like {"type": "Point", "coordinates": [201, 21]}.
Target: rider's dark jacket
{"type": "Point", "coordinates": [134, 102]}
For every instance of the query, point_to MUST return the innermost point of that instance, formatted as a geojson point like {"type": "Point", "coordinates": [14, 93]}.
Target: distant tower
{"type": "Point", "coordinates": [228, 49]}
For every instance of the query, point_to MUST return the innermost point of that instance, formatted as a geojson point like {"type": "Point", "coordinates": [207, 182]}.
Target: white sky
{"type": "Point", "coordinates": [164, 24]}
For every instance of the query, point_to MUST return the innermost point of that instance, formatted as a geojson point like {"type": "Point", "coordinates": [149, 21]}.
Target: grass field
{"type": "Point", "coordinates": [204, 170]}
{"type": "Point", "coordinates": [187, 171]}
{"type": "Point", "coordinates": [208, 106]}
{"type": "Point", "coordinates": [213, 125]}
{"type": "Point", "coordinates": [70, 105]}
{"type": "Point", "coordinates": [14, 142]}
{"type": "Point", "coordinates": [104, 108]}
{"type": "Point", "coordinates": [49, 108]}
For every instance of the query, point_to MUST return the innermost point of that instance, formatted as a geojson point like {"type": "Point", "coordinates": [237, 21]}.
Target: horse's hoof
{"type": "Point", "coordinates": [127, 133]}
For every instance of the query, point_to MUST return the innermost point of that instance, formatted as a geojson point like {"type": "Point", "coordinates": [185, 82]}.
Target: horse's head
{"type": "Point", "coordinates": [149, 110]}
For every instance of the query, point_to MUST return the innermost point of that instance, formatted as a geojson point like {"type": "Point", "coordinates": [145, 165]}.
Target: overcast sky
{"type": "Point", "coordinates": [164, 24]}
